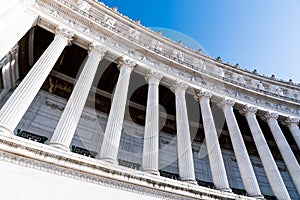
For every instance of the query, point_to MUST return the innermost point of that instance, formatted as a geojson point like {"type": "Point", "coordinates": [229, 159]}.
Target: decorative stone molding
{"type": "Point", "coordinates": [246, 94]}
{"type": "Point", "coordinates": [226, 101]}
{"type": "Point", "coordinates": [83, 6]}
{"type": "Point", "coordinates": [202, 93]}
{"type": "Point", "coordinates": [100, 50]}
{"type": "Point", "coordinates": [179, 86]}
{"type": "Point", "coordinates": [248, 109]}
{"type": "Point", "coordinates": [292, 121]}
{"type": "Point", "coordinates": [124, 61]}
{"type": "Point", "coordinates": [64, 32]}
{"type": "Point", "coordinates": [153, 77]}
{"type": "Point", "coordinates": [110, 20]}
{"type": "Point", "coordinates": [269, 116]}
{"type": "Point", "coordinates": [238, 78]}
{"type": "Point", "coordinates": [134, 33]}
{"type": "Point", "coordinates": [199, 64]}
{"type": "Point", "coordinates": [157, 45]}
{"type": "Point", "coordinates": [54, 13]}
{"type": "Point", "coordinates": [44, 158]}
{"type": "Point", "coordinates": [179, 55]}
{"type": "Point", "coordinates": [252, 86]}
{"type": "Point", "coordinates": [256, 84]}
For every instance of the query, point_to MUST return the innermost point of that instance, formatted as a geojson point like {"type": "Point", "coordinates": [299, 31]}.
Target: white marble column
{"type": "Point", "coordinates": [241, 154]}
{"type": "Point", "coordinates": [213, 148]}
{"type": "Point", "coordinates": [65, 129]}
{"type": "Point", "coordinates": [284, 148]}
{"type": "Point", "coordinates": [112, 135]}
{"type": "Point", "coordinates": [13, 110]}
{"type": "Point", "coordinates": [184, 145]}
{"type": "Point", "coordinates": [292, 123]}
{"type": "Point", "coordinates": [265, 155]}
{"type": "Point", "coordinates": [151, 136]}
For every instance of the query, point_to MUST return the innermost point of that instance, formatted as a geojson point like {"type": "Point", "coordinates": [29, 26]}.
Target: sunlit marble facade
{"type": "Point", "coordinates": [94, 104]}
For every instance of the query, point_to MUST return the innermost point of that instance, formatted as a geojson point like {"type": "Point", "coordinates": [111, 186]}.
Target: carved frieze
{"type": "Point", "coordinates": [238, 78]}
{"type": "Point", "coordinates": [133, 33]}
{"type": "Point", "coordinates": [83, 6]}
{"type": "Point", "coordinates": [179, 55]}
{"type": "Point", "coordinates": [110, 20]}
{"type": "Point", "coordinates": [157, 45]}
{"type": "Point", "coordinates": [256, 84]}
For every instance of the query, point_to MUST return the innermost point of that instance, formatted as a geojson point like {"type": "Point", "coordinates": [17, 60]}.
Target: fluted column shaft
{"type": "Point", "coordinates": [65, 129]}
{"type": "Point", "coordinates": [241, 154]}
{"type": "Point", "coordinates": [265, 155]}
{"type": "Point", "coordinates": [294, 129]}
{"type": "Point", "coordinates": [285, 149]}
{"type": "Point", "coordinates": [13, 110]}
{"type": "Point", "coordinates": [151, 136]}
{"type": "Point", "coordinates": [184, 146]}
{"type": "Point", "coordinates": [112, 135]}
{"type": "Point", "coordinates": [214, 150]}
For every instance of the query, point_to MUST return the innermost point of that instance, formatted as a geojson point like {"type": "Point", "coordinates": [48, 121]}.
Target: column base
{"type": "Point", "coordinates": [109, 160]}
{"type": "Point", "coordinates": [261, 197]}
{"type": "Point", "coordinates": [194, 182]}
{"type": "Point", "coordinates": [152, 171]}
{"type": "Point", "coordinates": [225, 190]}
{"type": "Point", "coordinates": [59, 146]}
{"type": "Point", "coordinates": [5, 131]}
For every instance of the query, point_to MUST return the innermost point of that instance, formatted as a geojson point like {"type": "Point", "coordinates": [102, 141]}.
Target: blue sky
{"type": "Point", "coordinates": [262, 35]}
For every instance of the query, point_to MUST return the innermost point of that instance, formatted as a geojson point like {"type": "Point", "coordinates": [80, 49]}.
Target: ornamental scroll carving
{"type": "Point", "coordinates": [226, 102]}
{"type": "Point", "coordinates": [248, 109]}
{"type": "Point", "coordinates": [126, 62]}
{"type": "Point", "coordinates": [64, 32]}
{"type": "Point", "coordinates": [179, 86]}
{"type": "Point", "coordinates": [203, 93]}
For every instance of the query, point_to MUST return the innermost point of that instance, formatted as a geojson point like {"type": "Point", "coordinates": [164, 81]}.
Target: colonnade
{"type": "Point", "coordinates": [16, 106]}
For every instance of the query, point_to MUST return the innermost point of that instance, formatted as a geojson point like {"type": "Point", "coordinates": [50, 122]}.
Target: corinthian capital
{"type": "Point", "coordinates": [126, 62]}
{"type": "Point", "coordinates": [100, 50]}
{"type": "Point", "coordinates": [292, 121]}
{"type": "Point", "coordinates": [248, 109]}
{"type": "Point", "coordinates": [226, 102]}
{"type": "Point", "coordinates": [153, 77]}
{"type": "Point", "coordinates": [179, 86]}
{"type": "Point", "coordinates": [202, 93]}
{"type": "Point", "coordinates": [63, 32]}
{"type": "Point", "coordinates": [270, 116]}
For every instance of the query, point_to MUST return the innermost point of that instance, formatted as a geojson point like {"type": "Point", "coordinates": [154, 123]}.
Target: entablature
{"type": "Point", "coordinates": [121, 36]}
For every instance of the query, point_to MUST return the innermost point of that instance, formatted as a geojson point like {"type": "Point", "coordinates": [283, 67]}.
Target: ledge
{"type": "Point", "coordinates": [42, 157]}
